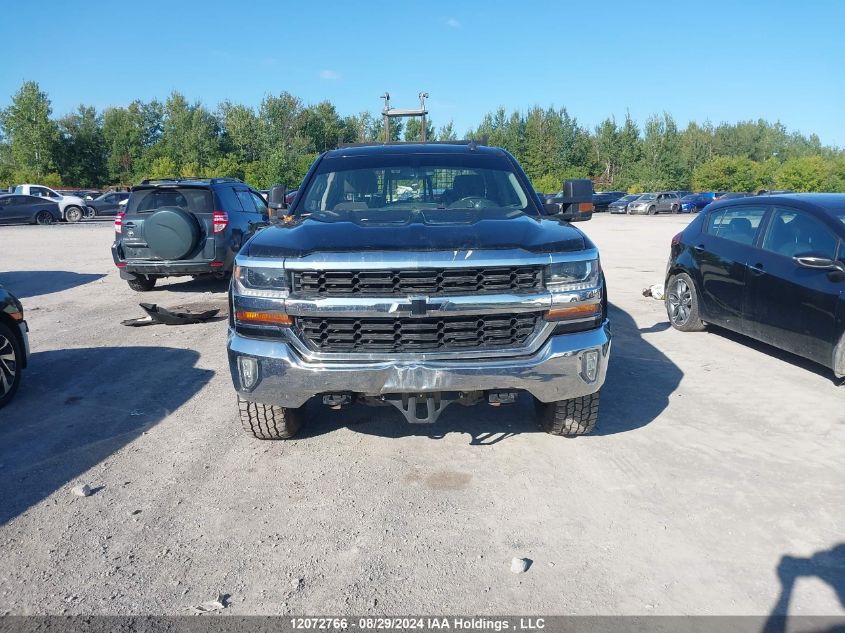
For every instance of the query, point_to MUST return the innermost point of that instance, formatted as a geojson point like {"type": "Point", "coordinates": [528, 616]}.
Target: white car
{"type": "Point", "coordinates": [72, 208]}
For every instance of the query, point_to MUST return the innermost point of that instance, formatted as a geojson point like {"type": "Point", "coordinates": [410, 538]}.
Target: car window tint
{"type": "Point", "coordinates": [246, 201]}
{"type": "Point", "coordinates": [260, 205]}
{"type": "Point", "coordinates": [792, 232]}
{"type": "Point", "coordinates": [737, 224]}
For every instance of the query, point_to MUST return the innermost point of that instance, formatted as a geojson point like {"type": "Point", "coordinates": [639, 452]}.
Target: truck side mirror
{"type": "Point", "coordinates": [276, 204]}
{"type": "Point", "coordinates": [578, 189]}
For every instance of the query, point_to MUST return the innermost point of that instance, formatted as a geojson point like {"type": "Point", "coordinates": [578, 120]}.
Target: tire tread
{"type": "Point", "coordinates": [571, 418]}
{"type": "Point", "coordinates": [268, 421]}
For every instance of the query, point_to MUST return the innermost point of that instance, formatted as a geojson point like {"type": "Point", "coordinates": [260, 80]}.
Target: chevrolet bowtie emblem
{"type": "Point", "coordinates": [420, 306]}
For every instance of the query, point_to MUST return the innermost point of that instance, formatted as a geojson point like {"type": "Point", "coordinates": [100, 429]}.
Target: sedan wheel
{"type": "Point", "coordinates": [44, 218]}
{"type": "Point", "coordinates": [73, 214]}
{"type": "Point", "coordinates": [682, 304]}
{"type": "Point", "coordinates": [9, 353]}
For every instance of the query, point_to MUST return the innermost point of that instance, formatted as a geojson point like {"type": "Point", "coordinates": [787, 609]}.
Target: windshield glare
{"type": "Point", "coordinates": [437, 183]}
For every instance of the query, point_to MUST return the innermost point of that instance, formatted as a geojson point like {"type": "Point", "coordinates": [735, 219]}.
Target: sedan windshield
{"type": "Point", "coordinates": [386, 184]}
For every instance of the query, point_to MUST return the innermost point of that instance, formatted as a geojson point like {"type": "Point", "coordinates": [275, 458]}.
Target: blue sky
{"type": "Point", "coordinates": [723, 61]}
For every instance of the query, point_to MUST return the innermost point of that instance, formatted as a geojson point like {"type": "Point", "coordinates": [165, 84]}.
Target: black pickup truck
{"type": "Point", "coordinates": [418, 275]}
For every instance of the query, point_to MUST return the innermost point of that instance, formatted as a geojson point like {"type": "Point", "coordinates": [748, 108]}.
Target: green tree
{"type": "Point", "coordinates": [447, 132]}
{"type": "Point", "coordinates": [413, 129]}
{"type": "Point", "coordinates": [163, 167]}
{"type": "Point", "coordinates": [123, 133]}
{"type": "Point", "coordinates": [32, 136]}
{"type": "Point", "coordinates": [662, 166]}
{"type": "Point", "coordinates": [808, 173]}
{"type": "Point", "coordinates": [727, 173]}
{"type": "Point", "coordinates": [82, 156]}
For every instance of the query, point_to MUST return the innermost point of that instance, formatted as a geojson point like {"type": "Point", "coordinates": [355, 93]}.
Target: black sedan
{"type": "Point", "coordinates": [18, 209]}
{"type": "Point", "coordinates": [14, 345]}
{"type": "Point", "coordinates": [106, 204]}
{"type": "Point", "coordinates": [769, 267]}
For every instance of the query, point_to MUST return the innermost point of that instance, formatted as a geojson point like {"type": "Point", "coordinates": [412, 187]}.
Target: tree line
{"type": "Point", "coordinates": [278, 140]}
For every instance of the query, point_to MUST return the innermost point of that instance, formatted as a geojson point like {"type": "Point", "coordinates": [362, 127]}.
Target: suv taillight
{"type": "Point", "coordinates": [118, 222]}
{"type": "Point", "coordinates": [219, 221]}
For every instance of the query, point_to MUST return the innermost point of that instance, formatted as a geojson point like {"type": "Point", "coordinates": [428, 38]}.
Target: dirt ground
{"type": "Point", "coordinates": [717, 461]}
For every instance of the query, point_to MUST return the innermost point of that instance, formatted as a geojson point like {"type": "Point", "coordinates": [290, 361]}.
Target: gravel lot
{"type": "Point", "coordinates": [715, 457]}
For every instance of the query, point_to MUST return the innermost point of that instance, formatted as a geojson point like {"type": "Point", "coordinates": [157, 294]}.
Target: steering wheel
{"type": "Point", "coordinates": [471, 202]}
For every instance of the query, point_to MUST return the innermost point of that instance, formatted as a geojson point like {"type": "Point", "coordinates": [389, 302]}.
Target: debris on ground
{"type": "Point", "coordinates": [655, 291]}
{"type": "Point", "coordinates": [211, 606]}
{"type": "Point", "coordinates": [157, 315]}
{"type": "Point", "coordinates": [83, 490]}
{"type": "Point", "coordinates": [520, 565]}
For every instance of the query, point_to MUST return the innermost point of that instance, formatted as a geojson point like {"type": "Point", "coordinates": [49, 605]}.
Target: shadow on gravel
{"type": "Point", "coordinates": [826, 565]}
{"type": "Point", "coordinates": [76, 407]}
{"type": "Point", "coordinates": [640, 379]}
{"type": "Point", "coordinates": [32, 283]}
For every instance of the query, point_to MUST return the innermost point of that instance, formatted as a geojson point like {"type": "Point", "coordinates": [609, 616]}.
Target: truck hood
{"type": "Point", "coordinates": [428, 230]}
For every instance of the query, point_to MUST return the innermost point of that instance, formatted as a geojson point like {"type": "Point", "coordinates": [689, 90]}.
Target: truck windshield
{"type": "Point", "coordinates": [388, 183]}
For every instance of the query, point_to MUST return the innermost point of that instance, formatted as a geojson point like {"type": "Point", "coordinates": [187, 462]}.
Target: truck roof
{"type": "Point", "coordinates": [446, 147]}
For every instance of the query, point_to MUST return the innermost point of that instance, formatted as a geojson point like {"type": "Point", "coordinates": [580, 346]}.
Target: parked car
{"type": "Point", "coordinates": [731, 195]}
{"type": "Point", "coordinates": [107, 204]}
{"type": "Point", "coordinates": [769, 267]}
{"type": "Point", "coordinates": [72, 208]}
{"type": "Point", "coordinates": [695, 202]}
{"type": "Point", "coordinates": [190, 226]}
{"type": "Point", "coordinates": [602, 199]}
{"type": "Point", "coordinates": [468, 296]}
{"type": "Point", "coordinates": [654, 203]}
{"type": "Point", "coordinates": [621, 205]}
{"type": "Point", "coordinates": [14, 345]}
{"type": "Point", "coordinates": [17, 209]}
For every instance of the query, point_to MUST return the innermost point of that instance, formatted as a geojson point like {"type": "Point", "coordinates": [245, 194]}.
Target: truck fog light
{"type": "Point", "coordinates": [248, 369]}
{"type": "Point", "coordinates": [590, 365]}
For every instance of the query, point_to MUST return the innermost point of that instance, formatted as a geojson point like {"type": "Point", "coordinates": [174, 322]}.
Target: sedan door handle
{"type": "Point", "coordinates": [756, 269]}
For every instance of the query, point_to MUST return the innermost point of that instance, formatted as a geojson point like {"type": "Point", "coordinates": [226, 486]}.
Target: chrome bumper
{"type": "Point", "coordinates": [554, 372]}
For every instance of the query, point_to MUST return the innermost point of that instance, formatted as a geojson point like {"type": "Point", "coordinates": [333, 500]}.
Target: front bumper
{"type": "Point", "coordinates": [554, 372]}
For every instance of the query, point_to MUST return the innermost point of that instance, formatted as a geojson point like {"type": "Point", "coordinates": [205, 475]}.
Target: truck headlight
{"type": "Point", "coordinates": [574, 275]}
{"type": "Point", "coordinates": [259, 281]}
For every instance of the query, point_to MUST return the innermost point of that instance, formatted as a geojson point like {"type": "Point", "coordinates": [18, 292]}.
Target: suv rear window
{"type": "Point", "coordinates": [193, 199]}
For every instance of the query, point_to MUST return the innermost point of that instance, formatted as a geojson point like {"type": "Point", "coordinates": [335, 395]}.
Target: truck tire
{"type": "Point", "coordinates": [570, 418]}
{"type": "Point", "coordinates": [11, 363]}
{"type": "Point", "coordinates": [73, 214]}
{"type": "Point", "coordinates": [142, 283]}
{"type": "Point", "coordinates": [268, 421]}
{"type": "Point", "coordinates": [682, 304]}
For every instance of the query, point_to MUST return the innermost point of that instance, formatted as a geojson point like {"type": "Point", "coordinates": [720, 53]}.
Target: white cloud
{"type": "Point", "coordinates": [453, 23]}
{"type": "Point", "coordinates": [329, 74]}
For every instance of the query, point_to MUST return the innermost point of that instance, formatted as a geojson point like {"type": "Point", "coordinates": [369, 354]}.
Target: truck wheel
{"type": "Point", "coordinates": [73, 214]}
{"type": "Point", "coordinates": [682, 304]}
{"type": "Point", "coordinates": [268, 421]}
{"type": "Point", "coordinates": [142, 283]}
{"type": "Point", "coordinates": [11, 357]}
{"type": "Point", "coordinates": [570, 418]}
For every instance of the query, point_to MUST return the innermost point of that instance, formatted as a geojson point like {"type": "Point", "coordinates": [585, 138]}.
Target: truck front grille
{"type": "Point", "coordinates": [346, 283]}
{"type": "Point", "coordinates": [408, 334]}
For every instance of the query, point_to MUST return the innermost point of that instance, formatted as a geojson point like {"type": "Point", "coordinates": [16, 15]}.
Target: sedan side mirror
{"type": "Point", "coordinates": [819, 263]}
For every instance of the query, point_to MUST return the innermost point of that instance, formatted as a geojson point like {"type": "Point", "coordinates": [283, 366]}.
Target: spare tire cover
{"type": "Point", "coordinates": [171, 233]}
